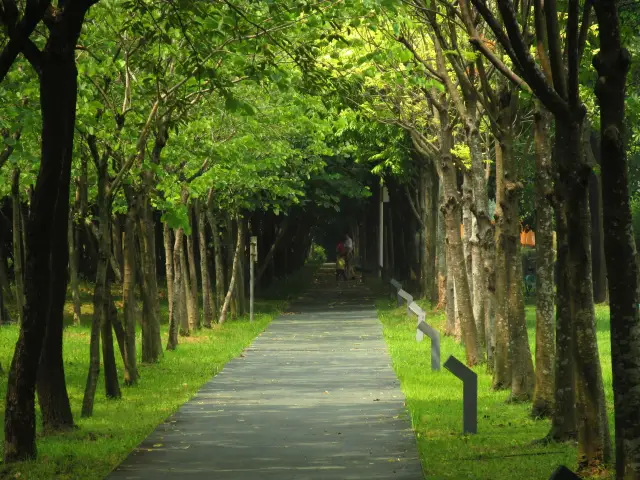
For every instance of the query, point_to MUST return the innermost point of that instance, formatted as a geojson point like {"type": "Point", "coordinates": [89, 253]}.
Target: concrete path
{"type": "Point", "coordinates": [314, 397]}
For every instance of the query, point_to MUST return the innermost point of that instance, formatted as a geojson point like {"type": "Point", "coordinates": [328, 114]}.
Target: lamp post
{"type": "Point", "coordinates": [384, 198]}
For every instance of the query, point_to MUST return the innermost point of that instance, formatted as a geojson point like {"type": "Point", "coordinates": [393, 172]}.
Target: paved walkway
{"type": "Point", "coordinates": [314, 397]}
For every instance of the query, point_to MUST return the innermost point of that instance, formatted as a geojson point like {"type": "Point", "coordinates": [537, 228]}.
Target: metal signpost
{"type": "Point", "coordinates": [253, 257]}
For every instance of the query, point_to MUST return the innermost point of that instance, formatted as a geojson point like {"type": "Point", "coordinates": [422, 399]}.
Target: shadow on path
{"type": "Point", "coordinates": [314, 397]}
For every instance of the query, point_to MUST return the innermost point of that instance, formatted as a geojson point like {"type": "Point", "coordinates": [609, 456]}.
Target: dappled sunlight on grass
{"type": "Point", "coordinates": [503, 448]}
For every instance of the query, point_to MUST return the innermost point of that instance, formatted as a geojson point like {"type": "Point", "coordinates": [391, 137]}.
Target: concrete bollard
{"type": "Point", "coordinates": [469, 393]}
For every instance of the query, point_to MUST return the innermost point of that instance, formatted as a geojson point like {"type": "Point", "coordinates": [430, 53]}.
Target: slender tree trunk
{"type": "Point", "coordinates": [111, 385]}
{"type": "Point", "coordinates": [194, 318]}
{"type": "Point", "coordinates": [99, 311]}
{"type": "Point", "coordinates": [234, 268]}
{"type": "Point", "coordinates": [441, 253]}
{"type": "Point", "coordinates": [17, 242]}
{"type": "Point", "coordinates": [151, 342]}
{"type": "Point", "coordinates": [74, 257]}
{"type": "Point", "coordinates": [612, 64]}
{"type": "Point", "coordinates": [116, 242]}
{"type": "Point", "coordinates": [168, 262]}
{"type": "Point", "coordinates": [522, 374]}
{"type": "Point", "coordinates": [467, 222]}
{"type": "Point", "coordinates": [129, 299]}
{"type": "Point", "coordinates": [282, 229]}
{"type": "Point", "coordinates": [178, 315]}
{"type": "Point", "coordinates": [502, 363]}
{"type": "Point", "coordinates": [240, 281]}
{"type": "Point", "coordinates": [457, 266]}
{"type": "Point", "coordinates": [5, 287]}
{"type": "Point", "coordinates": [208, 299]}
{"type": "Point", "coordinates": [101, 296]}
{"type": "Point", "coordinates": [450, 302]}
{"type": "Point", "coordinates": [543, 394]}
{"type": "Point", "coordinates": [218, 260]}
{"type": "Point", "coordinates": [187, 322]}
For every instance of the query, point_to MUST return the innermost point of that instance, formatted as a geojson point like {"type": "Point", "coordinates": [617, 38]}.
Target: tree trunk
{"type": "Point", "coordinates": [240, 281]}
{"type": "Point", "coordinates": [450, 302]}
{"type": "Point", "coordinates": [502, 364]}
{"type": "Point", "coordinates": [187, 310]}
{"type": "Point", "coordinates": [563, 420]}
{"type": "Point", "coordinates": [151, 342]}
{"type": "Point", "coordinates": [441, 252]}
{"type": "Point", "coordinates": [111, 385]}
{"type": "Point", "coordinates": [168, 262]}
{"type": "Point", "coordinates": [593, 430]}
{"type": "Point", "coordinates": [219, 262]}
{"type": "Point", "coordinates": [612, 64]}
{"type": "Point", "coordinates": [46, 234]}
{"type": "Point", "coordinates": [543, 394]}
{"type": "Point", "coordinates": [178, 315]}
{"type": "Point", "coordinates": [74, 257]}
{"type": "Point", "coordinates": [101, 296]}
{"type": "Point", "coordinates": [598, 261]}
{"type": "Point", "coordinates": [5, 287]}
{"type": "Point", "coordinates": [129, 299]}
{"type": "Point", "coordinates": [522, 374]}
{"type": "Point", "coordinates": [467, 222]}
{"type": "Point", "coordinates": [234, 268]}
{"type": "Point", "coordinates": [208, 299]}
{"type": "Point", "coordinates": [194, 317]}
{"type": "Point", "coordinates": [116, 241]}
{"type": "Point", "coordinates": [17, 242]}
{"type": "Point", "coordinates": [451, 212]}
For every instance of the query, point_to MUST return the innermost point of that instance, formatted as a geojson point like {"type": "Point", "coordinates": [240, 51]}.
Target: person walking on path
{"type": "Point", "coordinates": [348, 255]}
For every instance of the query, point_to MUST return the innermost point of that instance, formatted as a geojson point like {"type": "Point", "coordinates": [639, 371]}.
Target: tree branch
{"type": "Point", "coordinates": [413, 207]}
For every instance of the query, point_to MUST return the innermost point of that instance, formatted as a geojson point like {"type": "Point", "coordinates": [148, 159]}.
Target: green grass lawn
{"type": "Point", "coordinates": [117, 426]}
{"type": "Point", "coordinates": [502, 449]}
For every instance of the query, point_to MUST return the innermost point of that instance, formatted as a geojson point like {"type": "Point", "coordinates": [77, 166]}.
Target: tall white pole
{"type": "Point", "coordinates": [381, 232]}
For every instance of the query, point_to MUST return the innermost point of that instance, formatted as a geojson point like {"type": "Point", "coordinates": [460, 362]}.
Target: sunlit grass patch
{"type": "Point", "coordinates": [503, 448]}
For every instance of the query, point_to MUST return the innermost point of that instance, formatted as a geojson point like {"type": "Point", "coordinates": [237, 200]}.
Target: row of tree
{"type": "Point", "coordinates": [188, 126]}
{"type": "Point", "coordinates": [164, 136]}
{"type": "Point", "coordinates": [475, 86]}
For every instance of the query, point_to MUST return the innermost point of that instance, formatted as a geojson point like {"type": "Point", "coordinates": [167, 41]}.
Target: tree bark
{"type": "Point", "coordinates": [194, 319]}
{"type": "Point", "coordinates": [111, 384]}
{"type": "Point", "coordinates": [168, 263]}
{"type": "Point", "coordinates": [129, 299]}
{"type": "Point", "coordinates": [502, 364]}
{"type": "Point", "coordinates": [612, 64]}
{"type": "Point", "coordinates": [218, 260]}
{"type": "Point", "coordinates": [46, 233]}
{"type": "Point", "coordinates": [543, 395]}
{"type": "Point", "coordinates": [187, 311]}
{"type": "Point", "coordinates": [151, 342]}
{"type": "Point", "coordinates": [177, 316]}
{"type": "Point", "coordinates": [74, 257]}
{"type": "Point", "coordinates": [232, 281]}
{"type": "Point", "coordinates": [593, 430]}
{"type": "Point", "coordinates": [208, 299]}
{"type": "Point", "coordinates": [17, 242]}
{"type": "Point", "coordinates": [441, 253]}
{"type": "Point", "coordinates": [452, 207]}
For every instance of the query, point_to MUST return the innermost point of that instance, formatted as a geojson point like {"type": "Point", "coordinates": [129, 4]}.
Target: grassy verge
{"type": "Point", "coordinates": [503, 448]}
{"type": "Point", "coordinates": [117, 426]}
